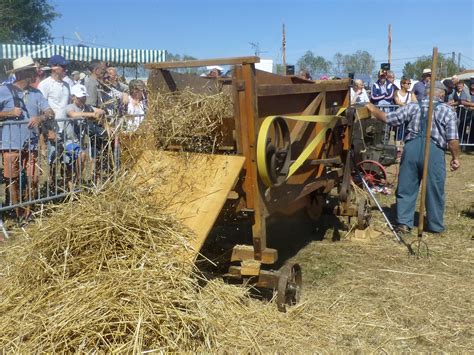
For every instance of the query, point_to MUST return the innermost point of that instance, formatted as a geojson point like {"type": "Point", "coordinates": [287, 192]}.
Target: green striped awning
{"type": "Point", "coordinates": [81, 53]}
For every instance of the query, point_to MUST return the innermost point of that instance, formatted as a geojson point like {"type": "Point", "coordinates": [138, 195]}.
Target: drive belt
{"type": "Point", "coordinates": [327, 122]}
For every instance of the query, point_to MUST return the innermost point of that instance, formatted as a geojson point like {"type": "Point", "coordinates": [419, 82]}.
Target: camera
{"type": "Point", "coordinates": [351, 76]}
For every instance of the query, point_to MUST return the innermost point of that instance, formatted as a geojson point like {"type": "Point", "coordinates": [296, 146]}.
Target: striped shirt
{"type": "Point", "coordinates": [443, 128]}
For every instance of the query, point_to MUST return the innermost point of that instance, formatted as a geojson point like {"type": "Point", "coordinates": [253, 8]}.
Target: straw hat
{"type": "Point", "coordinates": [22, 63]}
{"type": "Point", "coordinates": [426, 71]}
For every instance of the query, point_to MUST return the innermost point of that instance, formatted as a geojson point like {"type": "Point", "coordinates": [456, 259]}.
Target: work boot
{"type": "Point", "coordinates": [403, 231]}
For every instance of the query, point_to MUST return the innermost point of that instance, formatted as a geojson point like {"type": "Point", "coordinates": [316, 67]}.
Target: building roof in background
{"type": "Point", "coordinates": [83, 53]}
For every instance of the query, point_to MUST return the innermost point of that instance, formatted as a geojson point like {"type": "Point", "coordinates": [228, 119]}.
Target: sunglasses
{"type": "Point", "coordinates": [407, 82]}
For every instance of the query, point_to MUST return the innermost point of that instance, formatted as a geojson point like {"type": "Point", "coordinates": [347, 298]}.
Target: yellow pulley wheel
{"type": "Point", "coordinates": [274, 146]}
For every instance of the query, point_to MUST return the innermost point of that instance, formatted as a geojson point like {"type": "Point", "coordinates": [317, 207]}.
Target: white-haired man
{"type": "Point", "coordinates": [444, 135]}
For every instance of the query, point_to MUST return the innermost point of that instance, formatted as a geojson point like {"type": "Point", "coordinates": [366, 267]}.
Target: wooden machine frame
{"type": "Point", "coordinates": [257, 95]}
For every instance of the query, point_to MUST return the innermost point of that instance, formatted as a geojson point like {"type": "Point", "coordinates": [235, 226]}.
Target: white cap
{"type": "Point", "coordinates": [214, 67]}
{"type": "Point", "coordinates": [79, 90]}
{"type": "Point", "coordinates": [427, 71]}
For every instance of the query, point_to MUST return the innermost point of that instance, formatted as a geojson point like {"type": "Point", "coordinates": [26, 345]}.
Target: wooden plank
{"type": "Point", "coordinates": [203, 63]}
{"type": "Point", "coordinates": [300, 127]}
{"type": "Point", "coordinates": [294, 89]}
{"type": "Point", "coordinates": [194, 186]}
{"type": "Point", "coordinates": [250, 116]}
{"type": "Point", "coordinates": [245, 252]}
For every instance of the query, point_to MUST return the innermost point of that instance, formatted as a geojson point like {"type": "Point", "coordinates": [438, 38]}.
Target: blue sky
{"type": "Point", "coordinates": [210, 28]}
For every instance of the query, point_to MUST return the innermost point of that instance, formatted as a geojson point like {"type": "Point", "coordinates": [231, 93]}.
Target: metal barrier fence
{"type": "Point", "coordinates": [392, 135]}
{"type": "Point", "coordinates": [51, 161]}
{"type": "Point", "coordinates": [465, 126]}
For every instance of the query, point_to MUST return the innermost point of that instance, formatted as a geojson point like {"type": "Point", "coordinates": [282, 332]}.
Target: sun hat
{"type": "Point", "coordinates": [22, 63]}
{"type": "Point", "coordinates": [426, 71]}
{"type": "Point", "coordinates": [79, 91]}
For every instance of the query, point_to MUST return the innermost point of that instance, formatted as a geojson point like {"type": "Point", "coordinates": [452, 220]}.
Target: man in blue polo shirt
{"type": "Point", "coordinates": [444, 135]}
{"type": "Point", "coordinates": [419, 89]}
{"type": "Point", "coordinates": [22, 110]}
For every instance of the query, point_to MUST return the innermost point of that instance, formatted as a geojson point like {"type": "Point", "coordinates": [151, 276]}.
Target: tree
{"type": "Point", "coordinates": [280, 69]}
{"type": "Point", "coordinates": [446, 67]}
{"type": "Point", "coordinates": [313, 64]}
{"type": "Point", "coordinates": [360, 62]}
{"type": "Point", "coordinates": [26, 21]}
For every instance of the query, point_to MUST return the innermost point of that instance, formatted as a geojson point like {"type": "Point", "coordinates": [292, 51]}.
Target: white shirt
{"type": "Point", "coordinates": [69, 81]}
{"type": "Point", "coordinates": [361, 98]}
{"type": "Point", "coordinates": [57, 93]}
{"type": "Point", "coordinates": [135, 108]}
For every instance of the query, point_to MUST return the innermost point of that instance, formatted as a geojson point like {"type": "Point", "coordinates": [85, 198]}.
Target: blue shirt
{"type": "Point", "coordinates": [419, 89]}
{"type": "Point", "coordinates": [443, 127]}
{"type": "Point", "coordinates": [15, 132]}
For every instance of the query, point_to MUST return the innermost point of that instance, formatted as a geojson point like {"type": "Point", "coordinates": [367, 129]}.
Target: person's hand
{"type": "Point", "coordinates": [51, 135]}
{"type": "Point", "coordinates": [125, 98]}
{"type": "Point", "coordinates": [16, 112]}
{"type": "Point", "coordinates": [455, 164]}
{"type": "Point", "coordinates": [370, 106]}
{"type": "Point", "coordinates": [99, 113]}
{"type": "Point", "coordinates": [34, 122]}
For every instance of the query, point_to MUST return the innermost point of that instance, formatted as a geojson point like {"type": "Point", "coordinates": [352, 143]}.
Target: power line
{"type": "Point", "coordinates": [384, 60]}
{"type": "Point", "coordinates": [465, 56]}
{"type": "Point", "coordinates": [85, 42]}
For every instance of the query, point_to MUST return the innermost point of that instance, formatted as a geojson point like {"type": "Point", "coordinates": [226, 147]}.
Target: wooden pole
{"type": "Point", "coordinates": [284, 49]}
{"type": "Point", "coordinates": [427, 143]}
{"type": "Point", "coordinates": [389, 44]}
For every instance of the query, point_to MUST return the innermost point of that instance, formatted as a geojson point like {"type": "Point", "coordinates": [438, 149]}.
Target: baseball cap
{"type": "Point", "coordinates": [57, 60]}
{"type": "Point", "coordinates": [75, 72]}
{"type": "Point", "coordinates": [79, 90]}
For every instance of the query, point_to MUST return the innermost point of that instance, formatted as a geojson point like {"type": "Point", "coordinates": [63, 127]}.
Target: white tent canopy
{"type": "Point", "coordinates": [82, 53]}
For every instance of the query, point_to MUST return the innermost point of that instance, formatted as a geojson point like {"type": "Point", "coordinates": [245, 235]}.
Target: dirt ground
{"type": "Point", "coordinates": [369, 295]}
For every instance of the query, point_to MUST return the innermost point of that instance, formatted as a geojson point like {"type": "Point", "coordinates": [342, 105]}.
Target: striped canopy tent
{"type": "Point", "coordinates": [84, 54]}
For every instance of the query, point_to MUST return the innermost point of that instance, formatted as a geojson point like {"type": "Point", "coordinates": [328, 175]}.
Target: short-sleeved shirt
{"type": "Point", "coordinates": [57, 93]}
{"type": "Point", "coordinates": [443, 128]}
{"type": "Point", "coordinates": [463, 95]}
{"type": "Point", "coordinates": [74, 129]}
{"type": "Point", "coordinates": [419, 89]}
{"type": "Point", "coordinates": [15, 132]}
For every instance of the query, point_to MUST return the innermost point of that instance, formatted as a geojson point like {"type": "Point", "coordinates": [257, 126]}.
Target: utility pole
{"type": "Point", "coordinates": [453, 57]}
{"type": "Point", "coordinates": [284, 49]}
{"type": "Point", "coordinates": [256, 47]}
{"type": "Point", "coordinates": [389, 44]}
{"type": "Point", "coordinates": [459, 60]}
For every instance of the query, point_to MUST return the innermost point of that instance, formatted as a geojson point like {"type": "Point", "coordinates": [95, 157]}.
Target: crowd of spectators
{"type": "Point", "coordinates": [43, 109]}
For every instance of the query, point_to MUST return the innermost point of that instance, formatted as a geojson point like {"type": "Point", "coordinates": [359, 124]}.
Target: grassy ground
{"type": "Point", "coordinates": [370, 295]}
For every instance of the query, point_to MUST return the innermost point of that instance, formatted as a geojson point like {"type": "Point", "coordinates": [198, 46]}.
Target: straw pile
{"type": "Point", "coordinates": [106, 272]}
{"type": "Point", "coordinates": [188, 120]}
